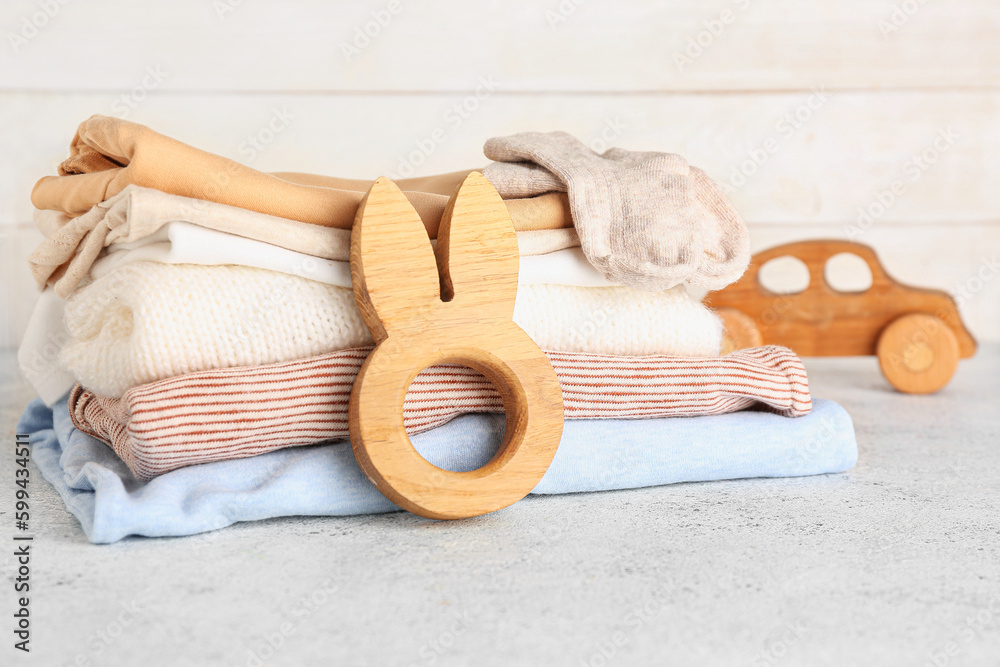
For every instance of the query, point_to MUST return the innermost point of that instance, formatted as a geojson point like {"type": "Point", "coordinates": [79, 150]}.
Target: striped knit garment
{"type": "Point", "coordinates": [239, 412]}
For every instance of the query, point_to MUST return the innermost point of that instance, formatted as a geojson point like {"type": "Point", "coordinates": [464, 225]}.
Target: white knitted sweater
{"type": "Point", "coordinates": [149, 321]}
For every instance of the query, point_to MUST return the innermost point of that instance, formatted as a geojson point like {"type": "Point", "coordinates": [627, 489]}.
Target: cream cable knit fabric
{"type": "Point", "coordinates": [148, 321]}
{"type": "Point", "coordinates": [646, 220]}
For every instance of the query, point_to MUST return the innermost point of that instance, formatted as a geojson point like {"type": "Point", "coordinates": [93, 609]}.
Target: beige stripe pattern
{"type": "Point", "coordinates": [239, 412]}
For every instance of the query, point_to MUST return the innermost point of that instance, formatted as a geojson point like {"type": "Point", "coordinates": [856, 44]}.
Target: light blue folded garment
{"type": "Point", "coordinates": [594, 455]}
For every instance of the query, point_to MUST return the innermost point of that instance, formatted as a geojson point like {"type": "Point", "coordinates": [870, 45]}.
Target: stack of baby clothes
{"type": "Point", "coordinates": [197, 317]}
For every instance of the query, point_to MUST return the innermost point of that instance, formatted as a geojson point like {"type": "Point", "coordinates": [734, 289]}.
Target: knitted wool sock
{"type": "Point", "coordinates": [647, 220]}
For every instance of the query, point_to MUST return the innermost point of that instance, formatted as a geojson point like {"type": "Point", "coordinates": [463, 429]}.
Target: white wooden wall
{"type": "Point", "coordinates": [832, 98]}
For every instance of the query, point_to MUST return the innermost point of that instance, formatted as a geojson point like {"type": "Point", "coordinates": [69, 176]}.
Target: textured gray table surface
{"type": "Point", "coordinates": [894, 562]}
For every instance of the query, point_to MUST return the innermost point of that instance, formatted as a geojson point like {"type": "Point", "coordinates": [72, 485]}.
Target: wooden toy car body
{"type": "Point", "coordinates": [917, 333]}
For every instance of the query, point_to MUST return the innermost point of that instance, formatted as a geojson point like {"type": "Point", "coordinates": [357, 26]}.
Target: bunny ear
{"type": "Point", "coordinates": [393, 269]}
{"type": "Point", "coordinates": [477, 248]}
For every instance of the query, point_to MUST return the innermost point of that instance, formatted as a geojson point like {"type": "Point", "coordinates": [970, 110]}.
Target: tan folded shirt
{"type": "Point", "coordinates": [107, 154]}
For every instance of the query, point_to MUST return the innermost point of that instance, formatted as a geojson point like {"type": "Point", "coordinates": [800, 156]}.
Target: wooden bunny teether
{"type": "Point", "coordinates": [453, 305]}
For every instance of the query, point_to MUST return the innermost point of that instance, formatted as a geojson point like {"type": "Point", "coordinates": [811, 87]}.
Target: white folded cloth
{"type": "Point", "coordinates": [187, 243]}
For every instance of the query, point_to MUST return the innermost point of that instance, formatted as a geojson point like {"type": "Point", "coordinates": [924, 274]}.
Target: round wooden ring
{"type": "Point", "coordinates": [533, 403]}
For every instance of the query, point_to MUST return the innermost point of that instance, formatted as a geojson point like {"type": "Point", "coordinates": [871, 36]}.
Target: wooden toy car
{"type": "Point", "coordinates": [916, 333]}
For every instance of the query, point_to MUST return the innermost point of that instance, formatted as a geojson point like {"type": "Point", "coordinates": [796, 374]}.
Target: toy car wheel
{"type": "Point", "coordinates": [739, 330]}
{"type": "Point", "coordinates": [918, 353]}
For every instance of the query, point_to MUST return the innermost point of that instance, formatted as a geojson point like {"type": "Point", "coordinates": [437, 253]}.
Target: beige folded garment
{"type": "Point", "coordinates": [107, 154]}
{"type": "Point", "coordinates": [72, 245]}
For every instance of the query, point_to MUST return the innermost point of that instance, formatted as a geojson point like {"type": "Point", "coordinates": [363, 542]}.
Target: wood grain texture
{"type": "Point", "coordinates": [918, 353]}
{"type": "Point", "coordinates": [452, 305]}
{"type": "Point", "coordinates": [821, 321]}
{"type": "Point", "coordinates": [440, 45]}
